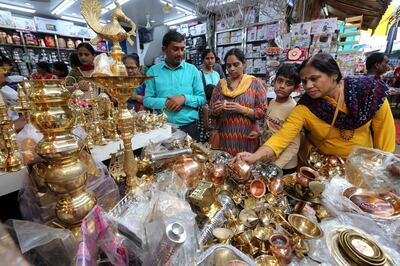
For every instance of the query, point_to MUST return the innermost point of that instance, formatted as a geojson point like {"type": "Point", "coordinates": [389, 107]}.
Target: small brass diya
{"type": "Point", "coordinates": [248, 217]}
{"type": "Point", "coordinates": [305, 226]}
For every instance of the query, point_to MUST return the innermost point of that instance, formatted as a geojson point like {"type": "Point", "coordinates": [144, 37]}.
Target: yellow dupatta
{"type": "Point", "coordinates": [240, 89]}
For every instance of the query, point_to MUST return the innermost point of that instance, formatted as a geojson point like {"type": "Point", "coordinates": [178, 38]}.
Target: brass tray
{"type": "Point", "coordinates": [384, 205]}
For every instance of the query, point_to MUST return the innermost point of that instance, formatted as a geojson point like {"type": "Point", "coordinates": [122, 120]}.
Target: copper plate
{"type": "Point", "coordinates": [381, 205]}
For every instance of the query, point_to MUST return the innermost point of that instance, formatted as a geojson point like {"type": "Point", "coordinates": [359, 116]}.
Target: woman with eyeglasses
{"type": "Point", "coordinates": [236, 104]}
{"type": "Point", "coordinates": [133, 68]}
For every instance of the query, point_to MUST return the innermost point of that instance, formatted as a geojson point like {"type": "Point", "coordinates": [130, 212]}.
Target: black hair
{"type": "Point", "coordinates": [236, 52]}
{"type": "Point", "coordinates": [172, 36]}
{"type": "Point", "coordinates": [44, 65]}
{"type": "Point", "coordinates": [5, 60]}
{"type": "Point", "coordinates": [131, 56]}
{"type": "Point", "coordinates": [290, 71]}
{"type": "Point", "coordinates": [206, 52]}
{"type": "Point", "coordinates": [208, 90]}
{"type": "Point", "coordinates": [323, 62]}
{"type": "Point", "coordinates": [88, 46]}
{"type": "Point", "coordinates": [74, 60]}
{"type": "Point", "coordinates": [62, 67]}
{"type": "Point", "coordinates": [374, 59]}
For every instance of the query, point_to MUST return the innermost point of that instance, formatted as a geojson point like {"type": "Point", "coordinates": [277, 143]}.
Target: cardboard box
{"type": "Point", "coordinates": [261, 32]}
{"type": "Point", "coordinates": [251, 34]}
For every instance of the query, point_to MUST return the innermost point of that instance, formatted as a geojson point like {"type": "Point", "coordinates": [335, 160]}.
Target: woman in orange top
{"type": "Point", "coordinates": [364, 116]}
{"type": "Point", "coordinates": [43, 71]}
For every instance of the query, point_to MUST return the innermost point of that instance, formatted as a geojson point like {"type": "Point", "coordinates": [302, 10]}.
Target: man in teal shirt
{"type": "Point", "coordinates": [176, 86]}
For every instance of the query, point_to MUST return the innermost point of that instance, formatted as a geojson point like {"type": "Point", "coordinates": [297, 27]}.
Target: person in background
{"type": "Point", "coordinates": [217, 66]}
{"type": "Point", "coordinates": [210, 79]}
{"type": "Point", "coordinates": [176, 86]}
{"type": "Point", "coordinates": [286, 80]}
{"type": "Point", "coordinates": [377, 64]}
{"type": "Point", "coordinates": [60, 69]}
{"type": "Point", "coordinates": [133, 68]}
{"type": "Point", "coordinates": [86, 54]}
{"type": "Point", "coordinates": [143, 68]}
{"type": "Point", "coordinates": [331, 112]}
{"type": "Point", "coordinates": [74, 61]}
{"type": "Point", "coordinates": [237, 103]}
{"type": "Point", "coordinates": [10, 95]}
{"type": "Point", "coordinates": [43, 71]}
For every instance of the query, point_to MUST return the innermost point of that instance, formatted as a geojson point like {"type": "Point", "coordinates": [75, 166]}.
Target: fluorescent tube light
{"type": "Point", "coordinates": [62, 7]}
{"type": "Point", "coordinates": [112, 6]}
{"type": "Point", "coordinates": [73, 19]}
{"type": "Point", "coordinates": [179, 20]}
{"type": "Point", "coordinates": [18, 8]}
{"type": "Point", "coordinates": [326, 12]}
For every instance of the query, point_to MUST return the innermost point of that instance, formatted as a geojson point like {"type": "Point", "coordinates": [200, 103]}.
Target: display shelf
{"type": "Point", "coordinates": [227, 44]}
{"type": "Point", "coordinates": [40, 47]}
{"type": "Point", "coordinates": [253, 41]}
{"type": "Point", "coordinates": [257, 57]}
{"type": "Point", "coordinates": [11, 45]}
{"type": "Point", "coordinates": [10, 182]}
{"type": "Point", "coordinates": [227, 30]}
{"type": "Point", "coordinates": [68, 49]}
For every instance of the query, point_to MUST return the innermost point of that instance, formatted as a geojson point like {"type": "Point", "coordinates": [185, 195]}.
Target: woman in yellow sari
{"type": "Point", "coordinates": [336, 114]}
{"type": "Point", "coordinates": [236, 104]}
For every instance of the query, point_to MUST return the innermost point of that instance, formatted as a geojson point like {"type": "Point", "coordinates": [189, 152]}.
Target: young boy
{"type": "Point", "coordinates": [286, 80]}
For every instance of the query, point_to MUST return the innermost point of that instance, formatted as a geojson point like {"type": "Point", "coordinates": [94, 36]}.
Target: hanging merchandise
{"type": "Point", "coordinates": [3, 37]}
{"type": "Point", "coordinates": [16, 39]}
{"type": "Point", "coordinates": [77, 42]}
{"type": "Point", "coordinates": [9, 39]}
{"type": "Point", "coordinates": [70, 44]}
{"type": "Point", "coordinates": [30, 39]}
{"type": "Point", "coordinates": [62, 43]}
{"type": "Point", "coordinates": [297, 55]}
{"type": "Point", "coordinates": [324, 26]}
{"type": "Point", "coordinates": [50, 41]}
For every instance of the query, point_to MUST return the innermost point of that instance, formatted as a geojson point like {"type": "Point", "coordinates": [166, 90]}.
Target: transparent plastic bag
{"type": "Point", "coordinates": [221, 254]}
{"type": "Point", "coordinates": [43, 245]}
{"type": "Point", "coordinates": [97, 232]}
{"type": "Point", "coordinates": [27, 139]}
{"type": "Point", "coordinates": [370, 168]}
{"type": "Point", "coordinates": [9, 253]}
{"type": "Point", "coordinates": [102, 65]}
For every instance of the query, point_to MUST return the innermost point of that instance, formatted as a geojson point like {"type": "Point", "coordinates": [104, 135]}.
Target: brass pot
{"type": "Point", "coordinates": [276, 186]}
{"type": "Point", "coordinates": [257, 188]}
{"type": "Point", "coordinates": [189, 170]}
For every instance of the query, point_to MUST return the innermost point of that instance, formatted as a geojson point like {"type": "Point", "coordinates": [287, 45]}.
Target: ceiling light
{"type": "Point", "coordinates": [73, 19]}
{"type": "Point", "coordinates": [152, 21]}
{"type": "Point", "coordinates": [179, 12]}
{"type": "Point", "coordinates": [28, 4]}
{"type": "Point", "coordinates": [62, 7]}
{"type": "Point", "coordinates": [18, 8]}
{"type": "Point", "coordinates": [178, 7]}
{"type": "Point", "coordinates": [179, 20]}
{"type": "Point", "coordinates": [112, 6]}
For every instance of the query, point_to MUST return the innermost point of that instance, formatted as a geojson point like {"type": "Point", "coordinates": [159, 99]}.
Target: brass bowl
{"type": "Point", "coordinates": [384, 205]}
{"type": "Point", "coordinates": [305, 226]}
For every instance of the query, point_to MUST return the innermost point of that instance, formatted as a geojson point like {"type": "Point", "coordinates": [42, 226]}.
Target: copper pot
{"type": "Point", "coordinates": [280, 248]}
{"type": "Point", "coordinates": [257, 188]}
{"type": "Point", "coordinates": [189, 170]}
{"type": "Point", "coordinates": [241, 171]}
{"type": "Point", "coordinates": [305, 175]}
{"type": "Point", "coordinates": [276, 186]}
{"type": "Point", "coordinates": [217, 174]}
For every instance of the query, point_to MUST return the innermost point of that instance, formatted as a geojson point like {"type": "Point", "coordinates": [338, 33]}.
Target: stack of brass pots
{"type": "Point", "coordinates": [64, 173]}
{"type": "Point", "coordinates": [10, 159]}
{"type": "Point", "coordinates": [351, 247]}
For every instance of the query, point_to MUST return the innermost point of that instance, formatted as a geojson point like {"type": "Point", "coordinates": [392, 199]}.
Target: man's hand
{"type": "Point", "coordinates": [175, 103]}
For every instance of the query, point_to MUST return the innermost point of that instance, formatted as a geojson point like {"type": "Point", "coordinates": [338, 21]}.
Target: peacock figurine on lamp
{"type": "Point", "coordinates": [119, 85]}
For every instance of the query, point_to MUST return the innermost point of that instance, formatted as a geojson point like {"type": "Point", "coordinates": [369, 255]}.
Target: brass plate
{"type": "Point", "coordinates": [332, 241]}
{"type": "Point", "coordinates": [381, 205]}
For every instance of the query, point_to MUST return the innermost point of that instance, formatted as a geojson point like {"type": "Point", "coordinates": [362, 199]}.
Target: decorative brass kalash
{"type": "Point", "coordinates": [120, 85]}
{"type": "Point", "coordinates": [63, 172]}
